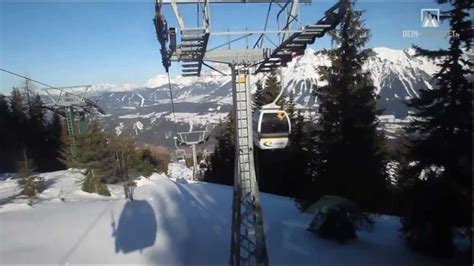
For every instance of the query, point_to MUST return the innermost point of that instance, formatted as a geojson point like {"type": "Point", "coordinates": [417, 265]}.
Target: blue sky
{"type": "Point", "coordinates": [89, 42]}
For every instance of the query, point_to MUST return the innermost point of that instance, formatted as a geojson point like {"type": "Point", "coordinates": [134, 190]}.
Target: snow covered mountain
{"type": "Point", "coordinates": [202, 102]}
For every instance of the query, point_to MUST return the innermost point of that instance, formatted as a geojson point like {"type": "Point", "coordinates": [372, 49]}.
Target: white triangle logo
{"type": "Point", "coordinates": [430, 22]}
{"type": "Point", "coordinates": [430, 18]}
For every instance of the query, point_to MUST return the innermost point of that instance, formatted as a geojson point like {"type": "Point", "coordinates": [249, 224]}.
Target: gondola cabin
{"type": "Point", "coordinates": [271, 127]}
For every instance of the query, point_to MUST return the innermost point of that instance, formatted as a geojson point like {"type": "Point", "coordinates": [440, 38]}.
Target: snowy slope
{"type": "Point", "coordinates": [174, 223]}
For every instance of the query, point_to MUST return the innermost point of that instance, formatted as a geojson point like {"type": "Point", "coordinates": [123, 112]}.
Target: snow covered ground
{"type": "Point", "coordinates": [173, 221]}
{"type": "Point", "coordinates": [178, 171]}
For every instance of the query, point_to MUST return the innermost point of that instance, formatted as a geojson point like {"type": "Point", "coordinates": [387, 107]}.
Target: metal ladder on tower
{"type": "Point", "coordinates": [248, 239]}
{"type": "Point", "coordinates": [70, 131]}
{"type": "Point", "coordinates": [192, 49]}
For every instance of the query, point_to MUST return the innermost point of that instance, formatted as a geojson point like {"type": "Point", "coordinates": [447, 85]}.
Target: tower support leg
{"type": "Point", "coordinates": [248, 239]}
{"type": "Point", "coordinates": [195, 170]}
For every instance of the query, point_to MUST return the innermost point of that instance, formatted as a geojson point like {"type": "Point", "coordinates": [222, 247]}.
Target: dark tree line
{"type": "Point", "coordinates": [32, 139]}
{"type": "Point", "coordinates": [28, 132]}
{"type": "Point", "coordinates": [221, 167]}
{"type": "Point", "coordinates": [439, 142]}
{"type": "Point", "coordinates": [343, 152]}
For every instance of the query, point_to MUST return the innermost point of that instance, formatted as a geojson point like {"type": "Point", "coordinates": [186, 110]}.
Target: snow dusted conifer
{"type": "Point", "coordinates": [271, 89]}
{"type": "Point", "coordinates": [258, 99]}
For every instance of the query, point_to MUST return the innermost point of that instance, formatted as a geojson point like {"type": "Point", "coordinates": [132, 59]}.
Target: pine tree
{"type": "Point", "coordinates": [24, 126]}
{"type": "Point", "coordinates": [290, 108]}
{"type": "Point", "coordinates": [348, 158]}
{"type": "Point", "coordinates": [129, 163]}
{"type": "Point", "coordinates": [18, 124]}
{"type": "Point", "coordinates": [443, 115]}
{"type": "Point", "coordinates": [442, 126]}
{"type": "Point", "coordinates": [7, 161]}
{"type": "Point", "coordinates": [267, 93]}
{"type": "Point", "coordinates": [221, 168]}
{"type": "Point", "coordinates": [147, 162]}
{"type": "Point", "coordinates": [298, 156]}
{"type": "Point", "coordinates": [272, 89]}
{"type": "Point", "coordinates": [36, 113]}
{"type": "Point", "coordinates": [92, 183]}
{"type": "Point", "coordinates": [126, 162]}
{"type": "Point", "coordinates": [405, 173]}
{"type": "Point", "coordinates": [94, 154]}
{"type": "Point", "coordinates": [55, 143]}
{"type": "Point", "coordinates": [258, 100]}
{"type": "Point", "coordinates": [30, 185]}
{"type": "Point", "coordinates": [66, 157]}
{"type": "Point", "coordinates": [36, 137]}
{"type": "Point", "coordinates": [297, 151]}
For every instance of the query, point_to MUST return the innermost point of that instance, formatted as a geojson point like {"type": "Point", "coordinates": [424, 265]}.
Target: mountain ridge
{"type": "Point", "coordinates": [202, 102]}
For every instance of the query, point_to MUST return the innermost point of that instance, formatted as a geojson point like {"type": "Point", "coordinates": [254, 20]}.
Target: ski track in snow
{"type": "Point", "coordinates": [142, 99]}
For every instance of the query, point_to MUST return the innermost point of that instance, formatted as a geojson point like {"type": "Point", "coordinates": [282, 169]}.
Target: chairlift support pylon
{"type": "Point", "coordinates": [248, 239]}
{"type": "Point", "coordinates": [69, 104]}
{"type": "Point", "coordinates": [65, 103]}
{"type": "Point", "coordinates": [183, 138]}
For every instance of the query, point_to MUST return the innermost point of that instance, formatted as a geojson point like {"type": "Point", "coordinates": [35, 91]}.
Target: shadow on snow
{"type": "Point", "coordinates": [136, 229]}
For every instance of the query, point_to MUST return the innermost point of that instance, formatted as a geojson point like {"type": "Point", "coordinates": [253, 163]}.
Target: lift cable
{"type": "Point", "coordinates": [172, 104]}
{"type": "Point", "coordinates": [260, 38]}
{"type": "Point", "coordinates": [39, 82]}
{"type": "Point", "coordinates": [86, 100]}
{"type": "Point", "coordinates": [27, 78]}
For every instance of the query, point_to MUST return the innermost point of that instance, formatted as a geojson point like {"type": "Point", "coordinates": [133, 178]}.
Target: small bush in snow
{"type": "Point", "coordinates": [31, 186]}
{"type": "Point", "coordinates": [338, 218]}
{"type": "Point", "coordinates": [93, 184]}
{"type": "Point", "coordinates": [427, 226]}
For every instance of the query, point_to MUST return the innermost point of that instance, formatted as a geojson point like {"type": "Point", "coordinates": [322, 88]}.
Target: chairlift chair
{"type": "Point", "coordinates": [203, 163]}
{"type": "Point", "coordinates": [181, 156]}
{"type": "Point", "coordinates": [180, 153]}
{"type": "Point", "coordinates": [271, 127]}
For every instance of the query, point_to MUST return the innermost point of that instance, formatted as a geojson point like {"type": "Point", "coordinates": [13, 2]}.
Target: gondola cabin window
{"type": "Point", "coordinates": [274, 124]}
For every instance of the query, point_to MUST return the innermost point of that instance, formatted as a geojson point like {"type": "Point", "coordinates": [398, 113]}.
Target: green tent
{"type": "Point", "coordinates": [337, 217]}
{"type": "Point", "coordinates": [329, 202]}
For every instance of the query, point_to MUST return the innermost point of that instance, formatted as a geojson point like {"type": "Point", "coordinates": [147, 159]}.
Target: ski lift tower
{"type": "Point", "coordinates": [192, 139]}
{"type": "Point", "coordinates": [66, 101]}
{"type": "Point", "coordinates": [69, 102]}
{"type": "Point", "coordinates": [248, 239]}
